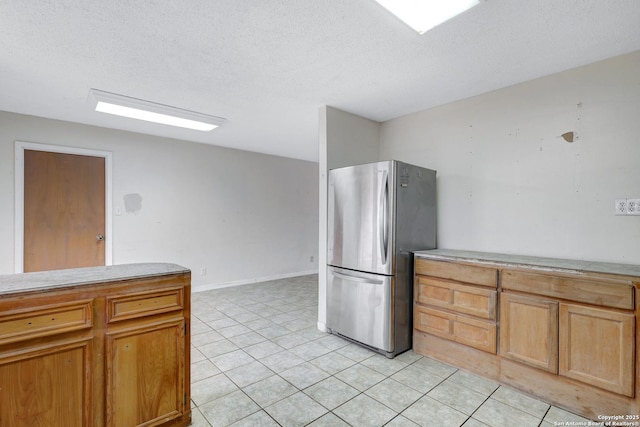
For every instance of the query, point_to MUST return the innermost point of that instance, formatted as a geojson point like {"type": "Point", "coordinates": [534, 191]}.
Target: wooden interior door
{"type": "Point", "coordinates": [64, 211]}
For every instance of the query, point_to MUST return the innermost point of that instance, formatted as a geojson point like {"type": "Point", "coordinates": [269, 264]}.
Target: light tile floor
{"type": "Point", "coordinates": [257, 359]}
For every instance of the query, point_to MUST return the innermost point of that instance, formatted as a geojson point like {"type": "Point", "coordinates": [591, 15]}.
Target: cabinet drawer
{"type": "Point", "coordinates": [144, 304]}
{"type": "Point", "coordinates": [21, 325]}
{"type": "Point", "coordinates": [484, 276]}
{"type": "Point", "coordinates": [434, 322]}
{"type": "Point", "coordinates": [464, 299]}
{"type": "Point", "coordinates": [479, 334]}
{"type": "Point", "coordinates": [603, 292]}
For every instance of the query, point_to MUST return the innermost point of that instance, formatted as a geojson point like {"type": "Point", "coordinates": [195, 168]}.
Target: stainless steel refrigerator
{"type": "Point", "coordinates": [378, 214]}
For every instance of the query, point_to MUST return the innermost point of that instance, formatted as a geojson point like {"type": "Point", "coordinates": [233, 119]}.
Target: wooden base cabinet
{"type": "Point", "coordinates": [566, 330]}
{"type": "Point", "coordinates": [86, 351]}
{"type": "Point", "coordinates": [588, 344]}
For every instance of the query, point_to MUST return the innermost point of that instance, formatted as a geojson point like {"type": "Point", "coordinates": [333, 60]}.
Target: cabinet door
{"type": "Point", "coordinates": [529, 331]}
{"type": "Point", "coordinates": [145, 374]}
{"type": "Point", "coordinates": [47, 386]}
{"type": "Point", "coordinates": [597, 347]}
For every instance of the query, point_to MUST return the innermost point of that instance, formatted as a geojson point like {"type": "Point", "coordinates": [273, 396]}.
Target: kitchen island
{"type": "Point", "coordinates": [97, 346]}
{"type": "Point", "coordinates": [564, 331]}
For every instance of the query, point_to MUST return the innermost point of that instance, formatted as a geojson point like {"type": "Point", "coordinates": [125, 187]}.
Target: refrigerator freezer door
{"type": "Point", "coordinates": [360, 217]}
{"type": "Point", "coordinates": [359, 306]}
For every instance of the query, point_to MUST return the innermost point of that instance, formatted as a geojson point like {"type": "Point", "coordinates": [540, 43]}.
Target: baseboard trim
{"type": "Point", "coordinates": [211, 286]}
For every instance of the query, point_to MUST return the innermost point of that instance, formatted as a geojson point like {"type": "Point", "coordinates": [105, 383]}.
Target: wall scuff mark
{"type": "Point", "coordinates": [132, 203]}
{"type": "Point", "coordinates": [578, 129]}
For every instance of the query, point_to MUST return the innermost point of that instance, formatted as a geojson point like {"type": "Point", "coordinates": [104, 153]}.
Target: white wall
{"type": "Point", "coordinates": [244, 216]}
{"type": "Point", "coordinates": [507, 181]}
{"type": "Point", "coordinates": [344, 140]}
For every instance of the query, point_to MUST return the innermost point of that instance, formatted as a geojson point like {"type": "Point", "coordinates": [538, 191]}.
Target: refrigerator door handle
{"type": "Point", "coordinates": [383, 218]}
{"type": "Point", "coordinates": [357, 279]}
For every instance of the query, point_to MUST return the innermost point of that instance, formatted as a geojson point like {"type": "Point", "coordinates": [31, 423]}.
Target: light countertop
{"type": "Point", "coordinates": [573, 266]}
{"type": "Point", "coordinates": [46, 280]}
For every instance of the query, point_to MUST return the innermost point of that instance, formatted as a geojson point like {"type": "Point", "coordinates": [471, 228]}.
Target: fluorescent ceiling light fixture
{"type": "Point", "coordinates": [423, 15]}
{"type": "Point", "coordinates": [125, 106]}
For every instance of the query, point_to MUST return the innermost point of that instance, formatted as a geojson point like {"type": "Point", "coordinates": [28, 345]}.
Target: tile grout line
{"type": "Point", "coordinates": [545, 414]}
{"type": "Point", "coordinates": [480, 405]}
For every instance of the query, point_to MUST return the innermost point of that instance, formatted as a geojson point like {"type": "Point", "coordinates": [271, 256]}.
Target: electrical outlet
{"type": "Point", "coordinates": [203, 271]}
{"type": "Point", "coordinates": [633, 206]}
{"type": "Point", "coordinates": [621, 207]}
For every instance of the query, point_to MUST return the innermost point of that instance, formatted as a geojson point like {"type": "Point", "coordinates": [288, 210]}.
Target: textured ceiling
{"type": "Point", "coordinates": [268, 65]}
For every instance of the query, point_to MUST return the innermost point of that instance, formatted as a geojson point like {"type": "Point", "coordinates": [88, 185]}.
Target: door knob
{"type": "Point", "coordinates": [100, 237]}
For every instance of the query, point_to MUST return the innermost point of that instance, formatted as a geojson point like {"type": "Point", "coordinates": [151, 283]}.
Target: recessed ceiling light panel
{"type": "Point", "coordinates": [125, 106]}
{"type": "Point", "coordinates": [423, 15]}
